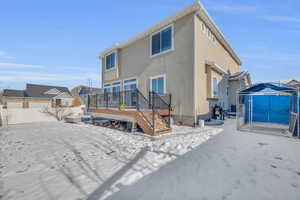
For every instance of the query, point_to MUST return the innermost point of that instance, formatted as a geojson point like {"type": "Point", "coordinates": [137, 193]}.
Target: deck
{"type": "Point", "coordinates": [143, 119]}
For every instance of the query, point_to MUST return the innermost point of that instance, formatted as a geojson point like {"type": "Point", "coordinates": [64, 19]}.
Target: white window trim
{"type": "Point", "coordinates": [116, 61]}
{"type": "Point", "coordinates": [131, 83]}
{"type": "Point", "coordinates": [172, 43]}
{"type": "Point", "coordinates": [111, 85]}
{"type": "Point", "coordinates": [159, 76]}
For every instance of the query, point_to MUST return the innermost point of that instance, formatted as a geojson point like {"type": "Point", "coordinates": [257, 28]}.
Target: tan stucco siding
{"type": "Point", "coordinates": [135, 61]}
{"type": "Point", "coordinates": [208, 50]}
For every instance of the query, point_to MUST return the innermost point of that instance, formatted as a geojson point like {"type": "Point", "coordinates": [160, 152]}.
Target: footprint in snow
{"type": "Point", "coordinates": [262, 143]}
{"type": "Point", "coordinates": [278, 158]}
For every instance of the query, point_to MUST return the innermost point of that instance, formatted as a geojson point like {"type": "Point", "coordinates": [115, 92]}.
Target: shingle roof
{"type": "Point", "coordinates": [40, 91]}
{"type": "Point", "coordinates": [14, 93]}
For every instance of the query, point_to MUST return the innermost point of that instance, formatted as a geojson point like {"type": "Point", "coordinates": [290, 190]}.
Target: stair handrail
{"type": "Point", "coordinates": [167, 104]}
{"type": "Point", "coordinates": [154, 112]}
{"type": "Point", "coordinates": [138, 109]}
{"type": "Point", "coordinates": [155, 93]}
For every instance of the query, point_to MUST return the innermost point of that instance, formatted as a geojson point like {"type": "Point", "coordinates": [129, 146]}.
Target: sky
{"type": "Point", "coordinates": [58, 42]}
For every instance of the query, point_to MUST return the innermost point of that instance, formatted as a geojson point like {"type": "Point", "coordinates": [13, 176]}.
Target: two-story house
{"type": "Point", "coordinates": [186, 56]}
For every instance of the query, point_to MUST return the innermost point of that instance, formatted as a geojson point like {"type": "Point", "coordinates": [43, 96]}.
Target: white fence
{"type": "Point", "coordinates": [31, 115]}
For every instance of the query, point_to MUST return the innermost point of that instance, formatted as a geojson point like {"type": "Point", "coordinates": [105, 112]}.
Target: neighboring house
{"type": "Point", "coordinates": [75, 91]}
{"type": "Point", "coordinates": [237, 81]}
{"type": "Point", "coordinates": [293, 83]}
{"type": "Point", "coordinates": [185, 55]}
{"type": "Point", "coordinates": [85, 91]}
{"type": "Point", "coordinates": [37, 96]}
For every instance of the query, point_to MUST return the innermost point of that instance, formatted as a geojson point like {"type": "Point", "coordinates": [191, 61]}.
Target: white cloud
{"type": "Point", "coordinates": [8, 76]}
{"type": "Point", "coordinates": [287, 58]}
{"type": "Point", "coordinates": [282, 19]}
{"type": "Point", "coordinates": [233, 9]}
{"type": "Point", "coordinates": [20, 66]}
{"type": "Point", "coordinates": [4, 55]}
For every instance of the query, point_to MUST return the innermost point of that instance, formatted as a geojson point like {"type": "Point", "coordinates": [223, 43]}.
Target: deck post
{"type": "Point", "coordinates": [96, 101]}
{"type": "Point", "coordinates": [153, 120]}
{"type": "Point", "coordinates": [106, 99]}
{"type": "Point", "coordinates": [170, 110]}
{"type": "Point", "coordinates": [138, 102]}
{"type": "Point", "coordinates": [119, 100]}
{"type": "Point", "coordinates": [298, 110]}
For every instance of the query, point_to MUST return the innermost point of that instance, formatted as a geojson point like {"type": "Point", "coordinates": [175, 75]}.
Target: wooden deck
{"type": "Point", "coordinates": [134, 116]}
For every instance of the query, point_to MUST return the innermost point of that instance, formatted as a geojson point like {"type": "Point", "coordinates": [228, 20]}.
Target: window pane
{"type": "Point", "coordinates": [160, 85]}
{"type": "Point", "coordinates": [107, 90]}
{"type": "Point", "coordinates": [166, 42]}
{"type": "Point", "coordinates": [107, 62]}
{"type": "Point", "coordinates": [155, 44]}
{"type": "Point", "coordinates": [133, 86]}
{"type": "Point", "coordinates": [154, 85]}
{"type": "Point", "coordinates": [127, 87]}
{"type": "Point", "coordinates": [113, 58]}
{"type": "Point", "coordinates": [110, 61]}
{"type": "Point", "coordinates": [215, 87]}
{"type": "Point", "coordinates": [116, 89]}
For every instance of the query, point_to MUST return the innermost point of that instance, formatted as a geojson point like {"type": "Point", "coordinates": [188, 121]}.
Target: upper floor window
{"type": "Point", "coordinates": [110, 61]}
{"type": "Point", "coordinates": [162, 41]}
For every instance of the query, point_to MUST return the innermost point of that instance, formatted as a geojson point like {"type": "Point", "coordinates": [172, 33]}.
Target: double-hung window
{"type": "Point", "coordinates": [130, 95]}
{"type": "Point", "coordinates": [158, 84]}
{"type": "Point", "coordinates": [162, 41]}
{"type": "Point", "coordinates": [110, 61]}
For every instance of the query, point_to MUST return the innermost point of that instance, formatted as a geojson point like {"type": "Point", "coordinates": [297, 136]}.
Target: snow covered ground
{"type": "Point", "coordinates": [231, 166]}
{"type": "Point", "coordinates": [57, 160]}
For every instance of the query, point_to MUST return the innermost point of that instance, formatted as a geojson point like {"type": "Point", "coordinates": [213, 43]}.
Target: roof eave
{"type": "Point", "coordinates": [196, 7]}
{"type": "Point", "coordinates": [218, 33]}
{"type": "Point", "coordinates": [178, 15]}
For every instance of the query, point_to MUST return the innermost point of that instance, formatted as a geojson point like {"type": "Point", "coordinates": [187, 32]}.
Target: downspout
{"type": "Point", "coordinates": [298, 108]}
{"type": "Point", "coordinates": [194, 70]}
{"type": "Point", "coordinates": [237, 110]}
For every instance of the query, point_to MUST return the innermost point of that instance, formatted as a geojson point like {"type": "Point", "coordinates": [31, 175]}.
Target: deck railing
{"type": "Point", "coordinates": [161, 101]}
{"type": "Point", "coordinates": [133, 99]}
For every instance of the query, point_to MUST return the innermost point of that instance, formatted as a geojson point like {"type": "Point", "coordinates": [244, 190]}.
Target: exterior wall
{"type": "Point", "coordinates": [18, 102]}
{"type": "Point", "coordinates": [14, 104]}
{"type": "Point", "coordinates": [29, 115]}
{"type": "Point", "coordinates": [67, 101]}
{"type": "Point", "coordinates": [33, 104]}
{"type": "Point", "coordinates": [178, 67]}
{"type": "Point", "coordinates": [208, 50]}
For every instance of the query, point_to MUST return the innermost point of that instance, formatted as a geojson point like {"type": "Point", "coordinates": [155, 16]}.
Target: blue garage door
{"type": "Point", "coordinates": [271, 108]}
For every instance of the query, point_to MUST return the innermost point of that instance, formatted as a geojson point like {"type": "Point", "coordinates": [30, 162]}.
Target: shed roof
{"type": "Point", "coordinates": [268, 87]}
